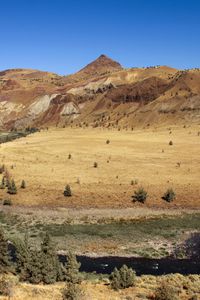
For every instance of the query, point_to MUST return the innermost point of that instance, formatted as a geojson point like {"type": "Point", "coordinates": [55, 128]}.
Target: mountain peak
{"type": "Point", "coordinates": [103, 64]}
{"type": "Point", "coordinates": [103, 56]}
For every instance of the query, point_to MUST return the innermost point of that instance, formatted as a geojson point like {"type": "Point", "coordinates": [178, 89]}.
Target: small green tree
{"type": "Point", "coordinates": [122, 278]}
{"type": "Point", "coordinates": [140, 195]}
{"type": "Point", "coordinates": [7, 182]}
{"type": "Point", "coordinates": [23, 184]}
{"type": "Point", "coordinates": [23, 258]}
{"type": "Point", "coordinates": [3, 183]}
{"type": "Point", "coordinates": [35, 265]}
{"type": "Point", "coordinates": [67, 191]}
{"type": "Point", "coordinates": [169, 195]}
{"type": "Point", "coordinates": [12, 189]}
{"type": "Point", "coordinates": [71, 269]}
{"type": "Point", "coordinates": [4, 256]}
{"type": "Point", "coordinates": [49, 260]}
{"type": "Point", "coordinates": [7, 202]}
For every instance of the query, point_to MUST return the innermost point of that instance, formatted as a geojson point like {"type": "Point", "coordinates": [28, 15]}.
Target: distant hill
{"type": "Point", "coordinates": [101, 94]}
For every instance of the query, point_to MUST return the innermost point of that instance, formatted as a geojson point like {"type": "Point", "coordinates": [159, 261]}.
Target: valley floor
{"type": "Point", "coordinates": [130, 159]}
{"type": "Point", "coordinates": [90, 221]}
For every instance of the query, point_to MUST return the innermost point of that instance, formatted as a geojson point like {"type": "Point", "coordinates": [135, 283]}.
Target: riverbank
{"type": "Point", "coordinates": [156, 237]}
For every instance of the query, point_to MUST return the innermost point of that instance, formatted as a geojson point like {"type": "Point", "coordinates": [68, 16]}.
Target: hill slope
{"type": "Point", "coordinates": [100, 94]}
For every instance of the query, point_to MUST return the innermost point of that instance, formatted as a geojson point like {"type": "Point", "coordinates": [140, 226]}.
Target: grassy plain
{"type": "Point", "coordinates": [143, 156]}
{"type": "Point", "coordinates": [94, 219]}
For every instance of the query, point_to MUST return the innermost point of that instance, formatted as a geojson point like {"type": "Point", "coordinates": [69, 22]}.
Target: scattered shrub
{"type": "Point", "coordinates": [95, 164]}
{"type": "Point", "coordinates": [71, 292]}
{"type": "Point", "coordinates": [169, 195]}
{"type": "Point", "coordinates": [12, 189]}
{"type": "Point", "coordinates": [4, 256]}
{"type": "Point", "coordinates": [7, 202]}
{"type": "Point", "coordinates": [170, 143]}
{"type": "Point", "coordinates": [67, 191]}
{"type": "Point", "coordinates": [165, 292]}
{"type": "Point", "coordinates": [108, 142]}
{"type": "Point", "coordinates": [134, 182]}
{"type": "Point", "coordinates": [140, 195]}
{"type": "Point", "coordinates": [69, 156]}
{"type": "Point", "coordinates": [23, 184]}
{"type": "Point", "coordinates": [3, 183]}
{"type": "Point", "coordinates": [122, 278]}
{"type": "Point", "coordinates": [6, 288]}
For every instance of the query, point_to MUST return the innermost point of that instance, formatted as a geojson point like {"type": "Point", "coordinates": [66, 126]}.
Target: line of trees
{"type": "Point", "coordinates": [41, 265]}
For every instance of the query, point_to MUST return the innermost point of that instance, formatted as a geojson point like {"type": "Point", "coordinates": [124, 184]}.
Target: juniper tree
{"type": "Point", "coordinates": [67, 191]}
{"type": "Point", "coordinates": [4, 256]}
{"type": "Point", "coordinates": [29, 262]}
{"type": "Point", "coordinates": [169, 195]}
{"type": "Point", "coordinates": [23, 258]}
{"type": "Point", "coordinates": [3, 183]}
{"type": "Point", "coordinates": [122, 278]}
{"type": "Point", "coordinates": [115, 279]}
{"type": "Point", "coordinates": [140, 195]}
{"type": "Point", "coordinates": [7, 182]}
{"type": "Point", "coordinates": [34, 267]}
{"type": "Point", "coordinates": [38, 265]}
{"type": "Point", "coordinates": [71, 269]}
{"type": "Point", "coordinates": [50, 270]}
{"type": "Point", "coordinates": [12, 189]}
{"type": "Point", "coordinates": [23, 184]}
{"type": "Point", "coordinates": [7, 177]}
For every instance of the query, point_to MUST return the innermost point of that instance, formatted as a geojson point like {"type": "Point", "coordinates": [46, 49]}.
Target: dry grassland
{"type": "Point", "coordinates": [186, 287]}
{"type": "Point", "coordinates": [42, 161]}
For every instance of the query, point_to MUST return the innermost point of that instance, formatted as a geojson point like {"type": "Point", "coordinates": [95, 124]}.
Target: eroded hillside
{"type": "Point", "coordinates": [101, 94]}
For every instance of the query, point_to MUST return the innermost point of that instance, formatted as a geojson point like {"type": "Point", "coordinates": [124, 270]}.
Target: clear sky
{"type": "Point", "coordinates": [62, 36]}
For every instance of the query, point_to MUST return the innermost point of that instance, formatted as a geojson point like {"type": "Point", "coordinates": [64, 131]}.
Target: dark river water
{"type": "Point", "coordinates": [105, 265]}
{"type": "Point", "coordinates": [142, 266]}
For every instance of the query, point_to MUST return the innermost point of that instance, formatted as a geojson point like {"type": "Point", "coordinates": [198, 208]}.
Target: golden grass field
{"type": "Point", "coordinates": [42, 161]}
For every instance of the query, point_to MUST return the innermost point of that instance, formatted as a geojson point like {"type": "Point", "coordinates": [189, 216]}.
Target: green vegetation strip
{"type": "Point", "coordinates": [166, 227]}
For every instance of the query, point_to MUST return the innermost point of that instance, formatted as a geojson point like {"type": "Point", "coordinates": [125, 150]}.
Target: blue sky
{"type": "Point", "coordinates": [62, 36]}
